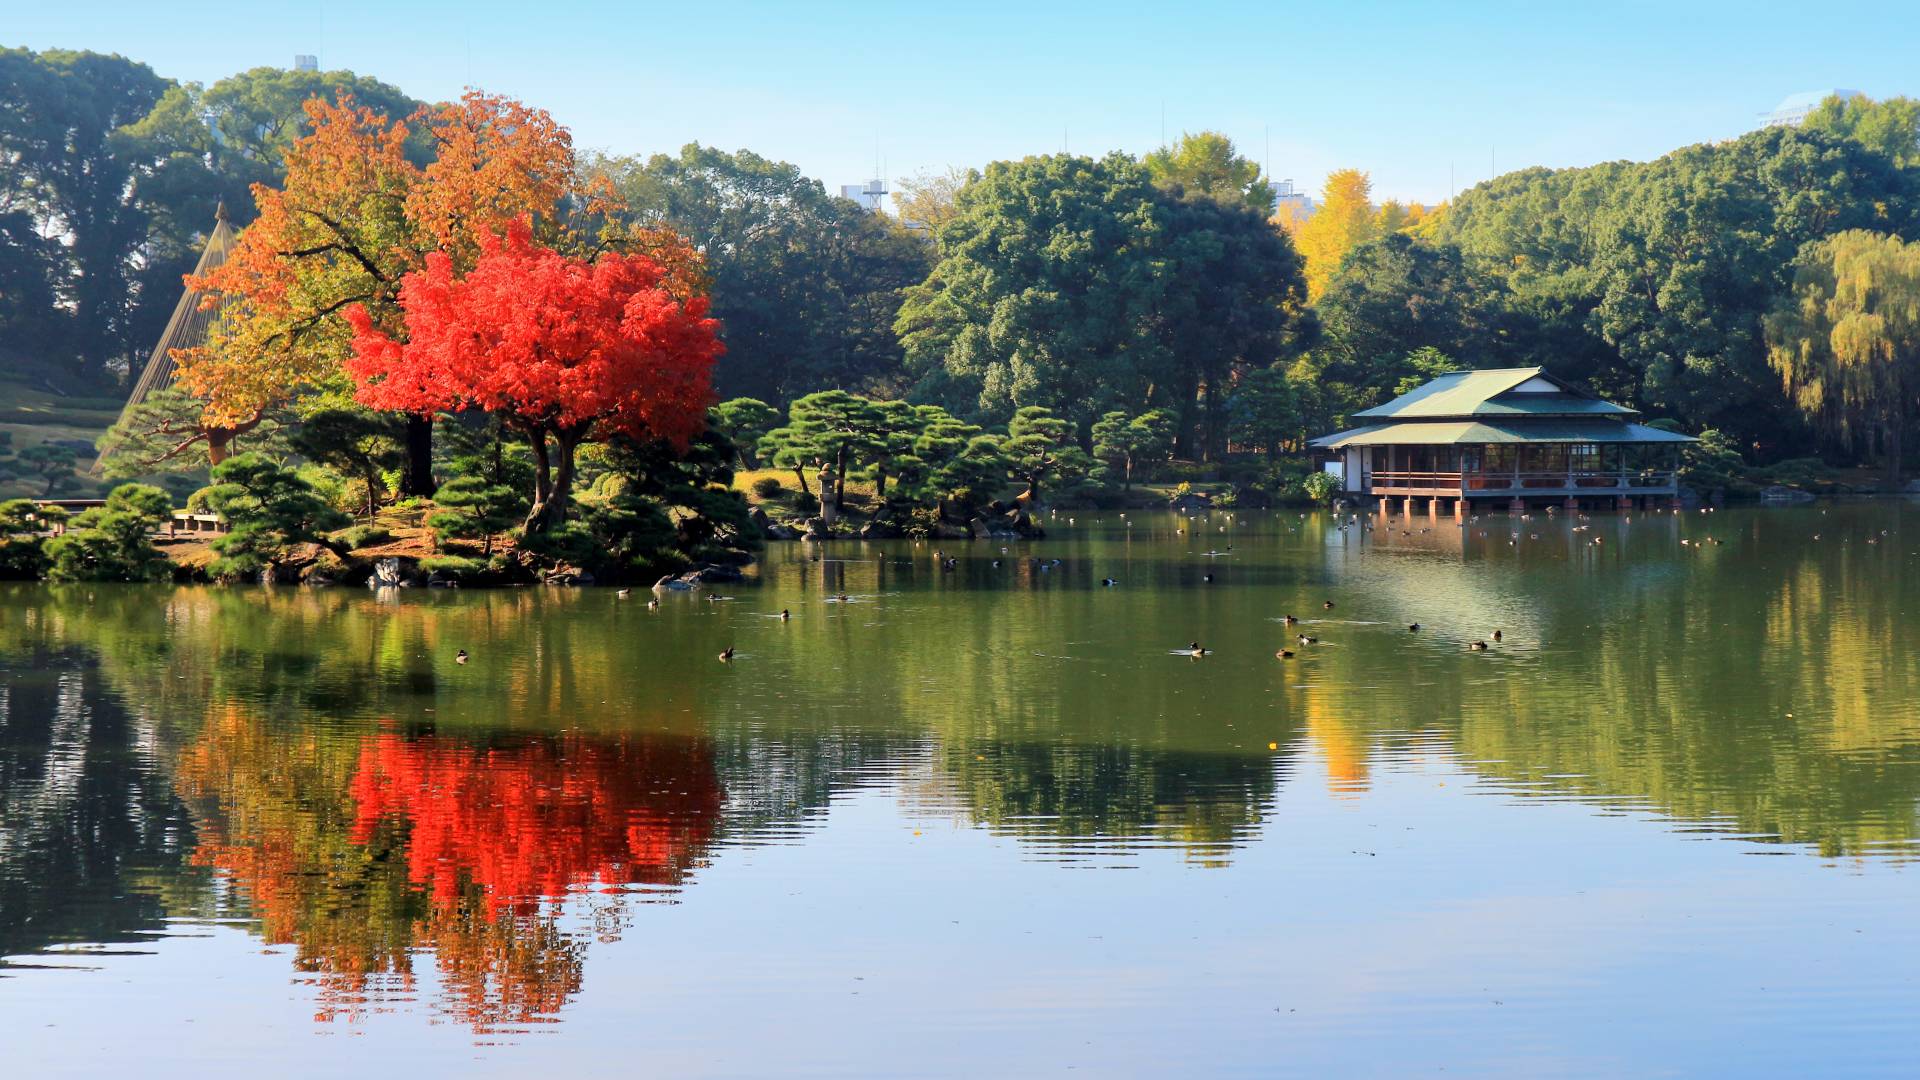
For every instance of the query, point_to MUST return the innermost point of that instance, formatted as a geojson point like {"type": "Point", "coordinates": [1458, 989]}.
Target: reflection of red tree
{"type": "Point", "coordinates": [530, 821]}
{"type": "Point", "coordinates": [364, 854]}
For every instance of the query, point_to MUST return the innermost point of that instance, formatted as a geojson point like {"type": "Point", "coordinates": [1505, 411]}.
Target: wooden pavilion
{"type": "Point", "coordinates": [1518, 436]}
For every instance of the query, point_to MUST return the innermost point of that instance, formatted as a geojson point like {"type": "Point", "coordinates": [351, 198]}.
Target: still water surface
{"type": "Point", "coordinates": [985, 821]}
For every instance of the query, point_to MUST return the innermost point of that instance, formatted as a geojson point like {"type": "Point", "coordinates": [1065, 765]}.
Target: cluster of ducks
{"type": "Point", "coordinates": [1196, 649]}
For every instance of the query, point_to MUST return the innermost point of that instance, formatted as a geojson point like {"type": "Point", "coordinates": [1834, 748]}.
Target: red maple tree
{"type": "Point", "coordinates": [564, 349]}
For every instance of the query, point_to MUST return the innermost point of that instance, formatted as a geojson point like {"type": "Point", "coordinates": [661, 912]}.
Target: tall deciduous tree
{"type": "Point", "coordinates": [806, 284]}
{"type": "Point", "coordinates": [355, 216]}
{"type": "Point", "coordinates": [1846, 342]}
{"type": "Point", "coordinates": [1206, 163]}
{"type": "Point", "coordinates": [64, 173]}
{"type": "Point", "coordinates": [1345, 220]}
{"type": "Point", "coordinates": [926, 199]}
{"type": "Point", "coordinates": [564, 349]}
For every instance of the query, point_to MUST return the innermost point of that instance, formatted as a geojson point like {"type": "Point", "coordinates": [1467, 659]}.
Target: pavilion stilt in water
{"type": "Point", "coordinates": [188, 327]}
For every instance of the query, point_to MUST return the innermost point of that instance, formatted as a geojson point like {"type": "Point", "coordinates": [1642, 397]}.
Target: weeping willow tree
{"type": "Point", "coordinates": [1846, 341]}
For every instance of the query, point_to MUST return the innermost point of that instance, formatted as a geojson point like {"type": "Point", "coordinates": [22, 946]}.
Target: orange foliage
{"type": "Point", "coordinates": [532, 821]}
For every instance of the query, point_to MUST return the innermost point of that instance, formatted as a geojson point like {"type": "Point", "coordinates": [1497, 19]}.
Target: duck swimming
{"type": "Point", "coordinates": [1478, 646]}
{"type": "Point", "coordinates": [785, 615]}
{"type": "Point", "coordinates": [1496, 635]}
{"type": "Point", "coordinates": [1290, 620]}
{"type": "Point", "coordinates": [624, 593]}
{"type": "Point", "coordinates": [1194, 649]}
{"type": "Point", "coordinates": [1328, 605]}
{"type": "Point", "coordinates": [1305, 640]}
{"type": "Point", "coordinates": [1108, 582]}
{"type": "Point", "coordinates": [460, 657]}
{"type": "Point", "coordinates": [726, 654]}
{"type": "Point", "coordinates": [653, 604]}
{"type": "Point", "coordinates": [1284, 654]}
{"type": "Point", "coordinates": [1413, 628]}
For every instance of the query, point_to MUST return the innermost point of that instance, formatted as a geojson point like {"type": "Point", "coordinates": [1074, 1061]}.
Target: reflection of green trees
{"type": "Point", "coordinates": [1120, 796]}
{"type": "Point", "coordinates": [1766, 684]}
{"type": "Point", "coordinates": [90, 833]}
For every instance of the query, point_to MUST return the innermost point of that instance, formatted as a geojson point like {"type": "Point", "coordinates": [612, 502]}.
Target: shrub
{"type": "Point", "coordinates": [767, 487]}
{"type": "Point", "coordinates": [365, 536]}
{"type": "Point", "coordinates": [23, 555]}
{"type": "Point", "coordinates": [457, 567]}
{"type": "Point", "coordinates": [1320, 486]}
{"type": "Point", "coordinates": [806, 502]}
{"type": "Point", "coordinates": [473, 509]}
{"type": "Point", "coordinates": [113, 542]}
{"type": "Point", "coordinates": [270, 508]}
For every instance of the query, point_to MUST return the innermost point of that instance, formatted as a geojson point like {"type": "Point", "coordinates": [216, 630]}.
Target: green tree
{"type": "Point", "coordinates": [1846, 341]}
{"type": "Point", "coordinates": [113, 542]}
{"type": "Point", "coordinates": [744, 421]}
{"type": "Point", "coordinates": [832, 428]}
{"type": "Point", "coordinates": [355, 442]}
{"type": "Point", "coordinates": [156, 436]}
{"type": "Point", "coordinates": [1044, 291]}
{"type": "Point", "coordinates": [1656, 277]}
{"type": "Point", "coordinates": [1890, 126]}
{"type": "Point", "coordinates": [470, 508]}
{"type": "Point", "coordinates": [23, 554]}
{"type": "Point", "coordinates": [806, 284]}
{"type": "Point", "coordinates": [1423, 365]}
{"type": "Point", "coordinates": [1265, 410]}
{"type": "Point", "coordinates": [65, 172]}
{"type": "Point", "coordinates": [1206, 163]}
{"type": "Point", "coordinates": [49, 464]}
{"type": "Point", "coordinates": [1077, 285]}
{"type": "Point", "coordinates": [270, 508]}
{"type": "Point", "coordinates": [1122, 442]}
{"type": "Point", "coordinates": [1041, 453]}
{"type": "Point", "coordinates": [1396, 296]}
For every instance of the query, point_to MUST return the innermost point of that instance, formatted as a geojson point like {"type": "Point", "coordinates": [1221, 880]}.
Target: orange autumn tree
{"type": "Point", "coordinates": [563, 349]}
{"type": "Point", "coordinates": [354, 217]}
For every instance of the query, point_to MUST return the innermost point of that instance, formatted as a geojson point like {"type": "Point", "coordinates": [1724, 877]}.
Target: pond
{"type": "Point", "coordinates": [988, 819]}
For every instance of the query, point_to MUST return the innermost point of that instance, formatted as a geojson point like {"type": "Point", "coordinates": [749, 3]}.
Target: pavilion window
{"type": "Point", "coordinates": [1585, 458]}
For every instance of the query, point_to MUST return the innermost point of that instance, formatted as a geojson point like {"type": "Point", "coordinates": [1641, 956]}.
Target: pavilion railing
{"type": "Point", "coordinates": [1473, 483]}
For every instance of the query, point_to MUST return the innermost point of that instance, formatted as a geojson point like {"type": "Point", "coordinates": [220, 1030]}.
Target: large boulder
{"type": "Point", "coordinates": [948, 530]}
{"type": "Point", "coordinates": [711, 573]}
{"type": "Point", "coordinates": [880, 529]}
{"type": "Point", "coordinates": [1192, 500]}
{"type": "Point", "coordinates": [1781, 494]}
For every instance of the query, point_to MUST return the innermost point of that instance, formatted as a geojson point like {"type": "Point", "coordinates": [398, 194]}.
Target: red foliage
{"type": "Point", "coordinates": [556, 344]}
{"type": "Point", "coordinates": [527, 822]}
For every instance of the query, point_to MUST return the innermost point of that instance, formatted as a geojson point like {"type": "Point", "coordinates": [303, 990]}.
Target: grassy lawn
{"type": "Point", "coordinates": [33, 415]}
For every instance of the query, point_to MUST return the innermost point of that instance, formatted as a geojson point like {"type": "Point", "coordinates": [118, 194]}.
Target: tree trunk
{"type": "Point", "coordinates": [542, 483]}
{"type": "Point", "coordinates": [219, 446]}
{"type": "Point", "coordinates": [373, 494]}
{"type": "Point", "coordinates": [552, 510]}
{"type": "Point", "coordinates": [1896, 447]}
{"type": "Point", "coordinates": [418, 476]}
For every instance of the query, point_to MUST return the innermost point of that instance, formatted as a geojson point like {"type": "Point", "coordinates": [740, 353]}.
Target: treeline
{"type": "Point", "coordinates": [1089, 285]}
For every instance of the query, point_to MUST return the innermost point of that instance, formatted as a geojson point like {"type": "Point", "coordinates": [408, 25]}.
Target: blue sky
{"type": "Point", "coordinates": [1413, 93]}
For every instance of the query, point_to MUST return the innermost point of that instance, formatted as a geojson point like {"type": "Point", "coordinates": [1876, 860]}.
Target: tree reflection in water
{"type": "Point", "coordinates": [362, 852]}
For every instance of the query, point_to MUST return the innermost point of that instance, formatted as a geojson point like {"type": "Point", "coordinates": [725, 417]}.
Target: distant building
{"type": "Point", "coordinates": [869, 195]}
{"type": "Point", "coordinates": [1794, 108]}
{"type": "Point", "coordinates": [306, 62]}
{"type": "Point", "coordinates": [1520, 436]}
{"type": "Point", "coordinates": [1291, 208]}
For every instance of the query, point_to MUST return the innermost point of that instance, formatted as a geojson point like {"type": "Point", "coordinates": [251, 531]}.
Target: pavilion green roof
{"type": "Point", "coordinates": [1496, 432]}
{"type": "Point", "coordinates": [1493, 392]}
